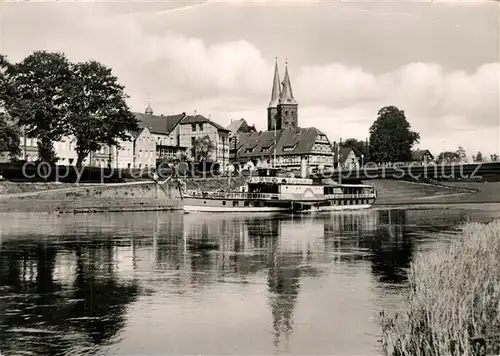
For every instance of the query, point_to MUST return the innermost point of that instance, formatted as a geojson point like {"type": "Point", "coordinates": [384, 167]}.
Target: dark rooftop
{"type": "Point", "coordinates": [159, 124]}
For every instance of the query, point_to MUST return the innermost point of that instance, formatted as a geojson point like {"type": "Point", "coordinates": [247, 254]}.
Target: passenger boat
{"type": "Point", "coordinates": [267, 191]}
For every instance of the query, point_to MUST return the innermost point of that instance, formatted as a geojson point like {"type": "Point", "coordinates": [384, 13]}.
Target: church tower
{"type": "Point", "coordinates": [287, 105]}
{"type": "Point", "coordinates": [273, 119]}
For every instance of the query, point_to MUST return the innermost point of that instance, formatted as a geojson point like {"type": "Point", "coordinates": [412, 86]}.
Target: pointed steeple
{"type": "Point", "coordinates": [276, 93]}
{"type": "Point", "coordinates": [287, 94]}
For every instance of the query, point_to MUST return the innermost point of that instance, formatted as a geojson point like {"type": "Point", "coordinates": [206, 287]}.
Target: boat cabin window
{"type": "Point", "coordinates": [267, 172]}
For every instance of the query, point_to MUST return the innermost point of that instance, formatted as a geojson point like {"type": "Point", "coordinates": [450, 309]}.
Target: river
{"type": "Point", "coordinates": [173, 283]}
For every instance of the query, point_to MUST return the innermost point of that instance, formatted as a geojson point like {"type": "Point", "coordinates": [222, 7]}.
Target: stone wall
{"type": "Point", "coordinates": [119, 197]}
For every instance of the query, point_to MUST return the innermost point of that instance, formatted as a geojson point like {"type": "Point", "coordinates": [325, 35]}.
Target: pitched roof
{"type": "Point", "coordinates": [276, 91]}
{"type": "Point", "coordinates": [159, 124]}
{"type": "Point", "coordinates": [287, 94]}
{"type": "Point", "coordinates": [195, 119]}
{"type": "Point", "coordinates": [289, 142]}
{"type": "Point", "coordinates": [235, 125]}
{"type": "Point", "coordinates": [137, 133]}
{"type": "Point", "coordinates": [417, 155]}
{"type": "Point", "coordinates": [344, 153]}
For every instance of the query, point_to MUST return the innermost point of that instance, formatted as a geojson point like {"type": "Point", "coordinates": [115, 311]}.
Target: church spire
{"type": "Point", "coordinates": [276, 93]}
{"type": "Point", "coordinates": [287, 94]}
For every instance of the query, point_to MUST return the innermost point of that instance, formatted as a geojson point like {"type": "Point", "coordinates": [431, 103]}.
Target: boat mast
{"type": "Point", "coordinates": [275, 143]}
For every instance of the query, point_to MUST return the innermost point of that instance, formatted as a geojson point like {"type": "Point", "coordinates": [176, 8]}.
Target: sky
{"type": "Point", "coordinates": [438, 61]}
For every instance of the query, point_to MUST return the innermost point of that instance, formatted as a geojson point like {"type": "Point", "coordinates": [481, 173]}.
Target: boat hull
{"type": "Point", "coordinates": [342, 207]}
{"type": "Point", "coordinates": [192, 204]}
{"type": "Point", "coordinates": [220, 205]}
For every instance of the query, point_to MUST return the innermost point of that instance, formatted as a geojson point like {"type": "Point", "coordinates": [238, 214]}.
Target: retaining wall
{"type": "Point", "coordinates": [108, 198]}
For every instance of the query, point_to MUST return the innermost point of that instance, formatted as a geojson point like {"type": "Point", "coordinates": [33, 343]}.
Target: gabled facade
{"type": "Point", "coordinates": [198, 126]}
{"type": "Point", "coordinates": [422, 156]}
{"type": "Point", "coordinates": [347, 158]}
{"type": "Point", "coordinates": [166, 132]}
{"type": "Point", "coordinates": [287, 149]}
{"type": "Point", "coordinates": [138, 153]}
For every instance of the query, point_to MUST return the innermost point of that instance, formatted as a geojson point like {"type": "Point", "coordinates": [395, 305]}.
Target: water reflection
{"type": "Point", "coordinates": [154, 282]}
{"type": "Point", "coordinates": [45, 314]}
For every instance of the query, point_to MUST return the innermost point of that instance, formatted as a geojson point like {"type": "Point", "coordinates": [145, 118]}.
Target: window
{"type": "Point", "coordinates": [193, 127]}
{"type": "Point", "coordinates": [201, 127]}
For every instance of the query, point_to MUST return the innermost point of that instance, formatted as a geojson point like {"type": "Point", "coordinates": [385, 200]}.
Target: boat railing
{"type": "Point", "coordinates": [350, 196]}
{"type": "Point", "coordinates": [271, 196]}
{"type": "Point", "coordinates": [280, 180]}
{"type": "Point", "coordinates": [234, 195]}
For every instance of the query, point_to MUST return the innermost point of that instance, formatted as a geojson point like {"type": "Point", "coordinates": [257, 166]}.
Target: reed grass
{"type": "Point", "coordinates": [453, 306]}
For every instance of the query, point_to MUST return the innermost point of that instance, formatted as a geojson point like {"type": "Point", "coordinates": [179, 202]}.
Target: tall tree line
{"type": "Point", "coordinates": [51, 98]}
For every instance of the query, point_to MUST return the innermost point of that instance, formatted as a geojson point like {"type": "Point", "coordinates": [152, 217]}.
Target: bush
{"type": "Point", "coordinates": [453, 307]}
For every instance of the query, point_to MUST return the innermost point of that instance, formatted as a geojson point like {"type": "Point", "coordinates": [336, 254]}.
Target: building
{"type": "Point", "coordinates": [284, 144]}
{"type": "Point", "coordinates": [422, 156]}
{"type": "Point", "coordinates": [139, 152]}
{"type": "Point", "coordinates": [240, 126]}
{"type": "Point", "coordinates": [282, 111]}
{"type": "Point", "coordinates": [286, 149]}
{"type": "Point", "coordinates": [347, 158]}
{"type": "Point", "coordinates": [166, 132]}
{"type": "Point", "coordinates": [196, 127]}
{"type": "Point", "coordinates": [237, 127]}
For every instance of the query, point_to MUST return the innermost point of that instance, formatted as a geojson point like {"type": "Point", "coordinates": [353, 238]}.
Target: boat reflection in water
{"type": "Point", "coordinates": [169, 283]}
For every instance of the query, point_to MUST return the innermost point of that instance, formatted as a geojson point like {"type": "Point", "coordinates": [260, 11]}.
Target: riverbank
{"type": "Point", "coordinates": [453, 307]}
{"type": "Point", "coordinates": [115, 197]}
{"type": "Point", "coordinates": [133, 196]}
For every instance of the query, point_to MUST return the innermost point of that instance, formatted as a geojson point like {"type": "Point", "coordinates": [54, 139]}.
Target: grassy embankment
{"type": "Point", "coordinates": [7, 187]}
{"type": "Point", "coordinates": [453, 306]}
{"type": "Point", "coordinates": [390, 192]}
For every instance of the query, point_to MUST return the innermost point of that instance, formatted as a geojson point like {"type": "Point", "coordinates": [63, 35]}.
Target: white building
{"type": "Point", "coordinates": [139, 152]}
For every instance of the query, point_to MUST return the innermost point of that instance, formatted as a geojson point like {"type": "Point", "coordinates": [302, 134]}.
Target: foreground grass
{"type": "Point", "coordinates": [453, 307]}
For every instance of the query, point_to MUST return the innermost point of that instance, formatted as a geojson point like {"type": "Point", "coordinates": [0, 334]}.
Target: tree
{"type": "Point", "coordinates": [391, 138]}
{"type": "Point", "coordinates": [462, 156]}
{"type": "Point", "coordinates": [358, 146]}
{"type": "Point", "coordinates": [478, 157]}
{"type": "Point", "coordinates": [38, 98]}
{"type": "Point", "coordinates": [202, 148]}
{"type": "Point", "coordinates": [448, 157]}
{"type": "Point", "coordinates": [494, 157]}
{"type": "Point", "coordinates": [97, 111]}
{"type": "Point", "coordinates": [9, 137]}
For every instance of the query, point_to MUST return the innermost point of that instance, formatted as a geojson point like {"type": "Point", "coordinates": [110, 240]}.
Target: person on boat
{"type": "Point", "coordinates": [156, 177]}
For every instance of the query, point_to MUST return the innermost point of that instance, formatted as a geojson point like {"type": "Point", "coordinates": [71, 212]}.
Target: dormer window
{"type": "Point", "coordinates": [289, 148]}
{"type": "Point", "coordinates": [249, 150]}
{"type": "Point", "coordinates": [265, 149]}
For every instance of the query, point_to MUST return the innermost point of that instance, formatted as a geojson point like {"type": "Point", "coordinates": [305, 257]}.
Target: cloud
{"type": "Point", "coordinates": [232, 79]}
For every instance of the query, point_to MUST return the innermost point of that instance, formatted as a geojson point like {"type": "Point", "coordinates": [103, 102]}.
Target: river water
{"type": "Point", "coordinates": [176, 284]}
